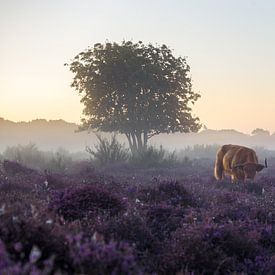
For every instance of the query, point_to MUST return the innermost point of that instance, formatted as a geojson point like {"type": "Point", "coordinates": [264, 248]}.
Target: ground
{"type": "Point", "coordinates": [123, 220]}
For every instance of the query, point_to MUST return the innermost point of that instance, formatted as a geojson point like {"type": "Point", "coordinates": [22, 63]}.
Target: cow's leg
{"type": "Point", "coordinates": [219, 169]}
{"type": "Point", "coordinates": [234, 179]}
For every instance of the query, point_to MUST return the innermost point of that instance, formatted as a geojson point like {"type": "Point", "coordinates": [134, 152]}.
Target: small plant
{"type": "Point", "coordinates": [162, 219]}
{"type": "Point", "coordinates": [97, 257]}
{"type": "Point", "coordinates": [170, 192]}
{"type": "Point", "coordinates": [14, 167]}
{"type": "Point", "coordinates": [59, 160]}
{"type": "Point", "coordinates": [108, 151]}
{"type": "Point", "coordinates": [28, 155]}
{"type": "Point", "coordinates": [87, 201]}
{"type": "Point", "coordinates": [154, 157]}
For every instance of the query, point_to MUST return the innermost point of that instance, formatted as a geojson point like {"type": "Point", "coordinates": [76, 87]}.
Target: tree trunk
{"type": "Point", "coordinates": [130, 142]}
{"type": "Point", "coordinates": [145, 140]}
{"type": "Point", "coordinates": [137, 142]}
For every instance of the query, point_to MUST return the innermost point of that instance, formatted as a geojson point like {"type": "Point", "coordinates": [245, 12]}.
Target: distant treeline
{"type": "Point", "coordinates": [106, 153]}
{"type": "Point", "coordinates": [53, 134]}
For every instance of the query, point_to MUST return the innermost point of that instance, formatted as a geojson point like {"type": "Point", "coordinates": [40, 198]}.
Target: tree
{"type": "Point", "coordinates": [135, 89]}
{"type": "Point", "coordinates": [259, 131]}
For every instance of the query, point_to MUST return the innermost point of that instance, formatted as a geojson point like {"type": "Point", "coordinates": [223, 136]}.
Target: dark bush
{"type": "Point", "coordinates": [29, 238]}
{"type": "Point", "coordinates": [170, 192]}
{"type": "Point", "coordinates": [132, 228]}
{"type": "Point", "coordinates": [163, 219]}
{"type": "Point", "coordinates": [154, 157]}
{"type": "Point", "coordinates": [211, 249]}
{"type": "Point", "coordinates": [108, 151]}
{"type": "Point", "coordinates": [98, 257]}
{"type": "Point", "coordinates": [14, 167]}
{"type": "Point", "coordinates": [82, 201]}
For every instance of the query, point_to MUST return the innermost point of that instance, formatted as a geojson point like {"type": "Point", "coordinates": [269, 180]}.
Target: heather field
{"type": "Point", "coordinates": [120, 219]}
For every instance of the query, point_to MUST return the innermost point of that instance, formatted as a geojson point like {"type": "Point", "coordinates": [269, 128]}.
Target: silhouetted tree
{"type": "Point", "coordinates": [259, 131]}
{"type": "Point", "coordinates": [135, 89]}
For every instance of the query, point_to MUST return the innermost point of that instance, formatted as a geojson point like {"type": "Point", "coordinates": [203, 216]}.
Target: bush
{"type": "Point", "coordinates": [200, 151]}
{"type": "Point", "coordinates": [170, 192]}
{"type": "Point", "coordinates": [59, 161]}
{"type": "Point", "coordinates": [132, 228]}
{"type": "Point", "coordinates": [98, 257]}
{"type": "Point", "coordinates": [213, 249]}
{"type": "Point", "coordinates": [27, 155]}
{"type": "Point", "coordinates": [163, 219]}
{"type": "Point", "coordinates": [154, 157]}
{"type": "Point", "coordinates": [14, 167]}
{"type": "Point", "coordinates": [88, 201]}
{"type": "Point", "coordinates": [31, 242]}
{"type": "Point", "coordinates": [108, 151]}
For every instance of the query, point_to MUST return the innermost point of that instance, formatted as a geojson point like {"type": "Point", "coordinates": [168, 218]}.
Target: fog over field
{"type": "Point", "coordinates": [53, 134]}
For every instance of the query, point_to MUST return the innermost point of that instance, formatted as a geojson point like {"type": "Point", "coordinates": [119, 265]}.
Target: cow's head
{"type": "Point", "coordinates": [248, 170]}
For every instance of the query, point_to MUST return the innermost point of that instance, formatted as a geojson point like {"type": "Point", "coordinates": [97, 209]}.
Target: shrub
{"type": "Point", "coordinates": [79, 202]}
{"type": "Point", "coordinates": [31, 241]}
{"type": "Point", "coordinates": [200, 151]}
{"type": "Point", "coordinates": [108, 151]}
{"type": "Point", "coordinates": [170, 192]}
{"type": "Point", "coordinates": [130, 227]}
{"type": "Point", "coordinates": [58, 161]}
{"type": "Point", "coordinates": [14, 167]}
{"type": "Point", "coordinates": [154, 157]}
{"type": "Point", "coordinates": [98, 257]}
{"type": "Point", "coordinates": [27, 155]}
{"type": "Point", "coordinates": [163, 219]}
{"type": "Point", "coordinates": [214, 249]}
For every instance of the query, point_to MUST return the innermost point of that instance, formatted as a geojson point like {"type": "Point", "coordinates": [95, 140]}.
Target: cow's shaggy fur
{"type": "Point", "coordinates": [239, 162]}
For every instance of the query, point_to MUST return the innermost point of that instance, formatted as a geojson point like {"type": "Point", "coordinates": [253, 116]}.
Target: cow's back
{"type": "Point", "coordinates": [230, 156]}
{"type": "Point", "coordinates": [230, 152]}
{"type": "Point", "coordinates": [244, 155]}
{"type": "Point", "coordinates": [236, 155]}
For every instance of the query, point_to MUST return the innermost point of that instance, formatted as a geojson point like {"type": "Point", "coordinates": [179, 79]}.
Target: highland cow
{"type": "Point", "coordinates": [239, 162]}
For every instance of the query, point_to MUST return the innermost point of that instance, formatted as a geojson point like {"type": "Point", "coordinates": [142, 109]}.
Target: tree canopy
{"type": "Point", "coordinates": [135, 89]}
{"type": "Point", "coordinates": [260, 131]}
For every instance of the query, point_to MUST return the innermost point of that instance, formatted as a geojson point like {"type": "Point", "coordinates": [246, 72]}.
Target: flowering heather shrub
{"type": "Point", "coordinates": [4, 258]}
{"type": "Point", "coordinates": [130, 227]}
{"type": "Point", "coordinates": [32, 240]}
{"type": "Point", "coordinates": [154, 157]}
{"type": "Point", "coordinates": [267, 238]}
{"type": "Point", "coordinates": [14, 167]}
{"type": "Point", "coordinates": [79, 202]}
{"type": "Point", "coordinates": [123, 220]}
{"type": "Point", "coordinates": [98, 257]}
{"type": "Point", "coordinates": [211, 249]}
{"type": "Point", "coordinates": [163, 219]}
{"type": "Point", "coordinates": [170, 192]}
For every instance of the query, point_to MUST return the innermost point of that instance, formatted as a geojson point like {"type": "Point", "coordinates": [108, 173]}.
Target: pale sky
{"type": "Point", "coordinates": [229, 45]}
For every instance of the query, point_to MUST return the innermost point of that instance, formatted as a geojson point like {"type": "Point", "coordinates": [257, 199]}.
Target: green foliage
{"type": "Point", "coordinates": [154, 157]}
{"type": "Point", "coordinates": [59, 160]}
{"type": "Point", "coordinates": [259, 131]}
{"type": "Point", "coordinates": [200, 151]}
{"type": "Point", "coordinates": [108, 151]}
{"type": "Point", "coordinates": [135, 89]}
{"type": "Point", "coordinates": [29, 155]}
{"type": "Point", "coordinates": [25, 154]}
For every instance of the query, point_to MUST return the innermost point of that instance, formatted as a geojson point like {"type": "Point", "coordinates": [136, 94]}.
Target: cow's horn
{"type": "Point", "coordinates": [265, 162]}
